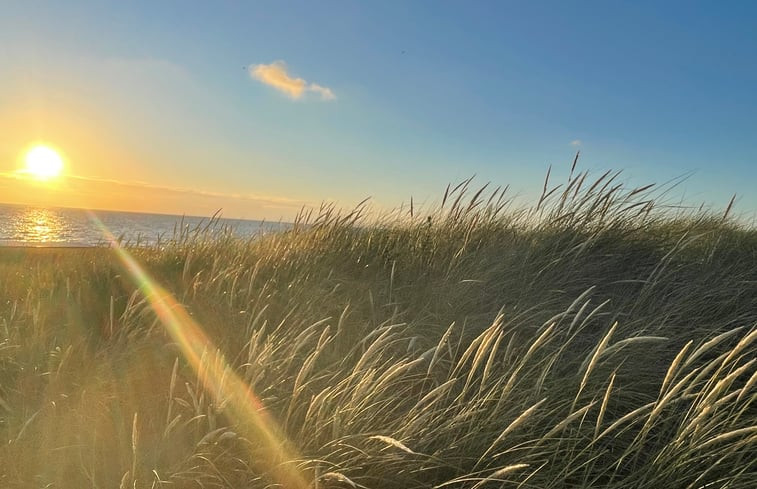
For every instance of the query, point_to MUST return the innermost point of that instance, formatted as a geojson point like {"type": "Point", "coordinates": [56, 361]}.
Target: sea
{"type": "Point", "coordinates": [62, 227]}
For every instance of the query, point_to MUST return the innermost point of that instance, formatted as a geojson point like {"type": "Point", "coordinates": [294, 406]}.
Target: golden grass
{"type": "Point", "coordinates": [597, 339]}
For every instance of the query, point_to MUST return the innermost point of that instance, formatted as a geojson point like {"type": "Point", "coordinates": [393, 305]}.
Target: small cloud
{"type": "Point", "coordinates": [576, 143]}
{"type": "Point", "coordinates": [326, 93]}
{"type": "Point", "coordinates": [275, 75]}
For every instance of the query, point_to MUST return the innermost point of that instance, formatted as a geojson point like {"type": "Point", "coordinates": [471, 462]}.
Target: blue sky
{"type": "Point", "coordinates": [425, 93]}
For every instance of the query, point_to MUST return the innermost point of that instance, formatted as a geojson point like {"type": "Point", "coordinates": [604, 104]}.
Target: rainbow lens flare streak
{"type": "Point", "coordinates": [273, 453]}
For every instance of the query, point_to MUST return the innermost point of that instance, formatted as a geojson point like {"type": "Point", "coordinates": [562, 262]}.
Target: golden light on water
{"type": "Point", "coordinates": [43, 162]}
{"type": "Point", "coordinates": [34, 226]}
{"type": "Point", "coordinates": [41, 226]}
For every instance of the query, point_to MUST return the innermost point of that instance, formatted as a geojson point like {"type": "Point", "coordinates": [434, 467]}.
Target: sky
{"type": "Point", "coordinates": [259, 108]}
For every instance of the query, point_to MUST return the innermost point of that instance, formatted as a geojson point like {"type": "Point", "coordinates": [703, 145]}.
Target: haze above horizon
{"type": "Point", "coordinates": [261, 109]}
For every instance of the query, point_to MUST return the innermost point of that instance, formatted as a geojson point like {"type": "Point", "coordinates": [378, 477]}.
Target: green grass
{"type": "Point", "coordinates": [598, 338]}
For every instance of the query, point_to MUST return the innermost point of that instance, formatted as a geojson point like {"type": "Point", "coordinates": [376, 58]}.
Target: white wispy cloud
{"type": "Point", "coordinates": [276, 76]}
{"type": "Point", "coordinates": [576, 143]}
{"type": "Point", "coordinates": [326, 93]}
{"type": "Point", "coordinates": [103, 193]}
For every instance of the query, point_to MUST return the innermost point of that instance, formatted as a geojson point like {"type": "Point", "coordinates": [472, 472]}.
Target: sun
{"type": "Point", "coordinates": [43, 163]}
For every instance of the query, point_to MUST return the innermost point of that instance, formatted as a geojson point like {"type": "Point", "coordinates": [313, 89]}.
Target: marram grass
{"type": "Point", "coordinates": [598, 338]}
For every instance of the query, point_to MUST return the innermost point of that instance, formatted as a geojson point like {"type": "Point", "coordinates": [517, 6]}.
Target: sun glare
{"type": "Point", "coordinates": [43, 163]}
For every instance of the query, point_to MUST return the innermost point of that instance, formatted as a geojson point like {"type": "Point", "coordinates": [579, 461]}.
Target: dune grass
{"type": "Point", "coordinates": [597, 338]}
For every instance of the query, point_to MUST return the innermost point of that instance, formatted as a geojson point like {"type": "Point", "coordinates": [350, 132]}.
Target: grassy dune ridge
{"type": "Point", "coordinates": [597, 338]}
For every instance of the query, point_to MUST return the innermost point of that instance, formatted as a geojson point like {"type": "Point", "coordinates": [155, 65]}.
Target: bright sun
{"type": "Point", "coordinates": [43, 163]}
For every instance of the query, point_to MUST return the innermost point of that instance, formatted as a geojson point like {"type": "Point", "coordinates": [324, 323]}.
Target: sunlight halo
{"type": "Point", "coordinates": [43, 163]}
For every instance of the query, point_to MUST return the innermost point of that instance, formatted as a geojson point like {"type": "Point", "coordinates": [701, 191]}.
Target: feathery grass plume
{"type": "Point", "coordinates": [492, 477]}
{"type": "Point", "coordinates": [603, 407]}
{"type": "Point", "coordinates": [498, 474]}
{"type": "Point", "coordinates": [592, 362]}
{"type": "Point", "coordinates": [707, 346]}
{"type": "Point", "coordinates": [747, 386]}
{"type": "Point", "coordinates": [510, 428]}
{"type": "Point", "coordinates": [392, 442]}
{"type": "Point", "coordinates": [538, 342]}
{"type": "Point", "coordinates": [670, 375]}
{"type": "Point", "coordinates": [443, 341]}
{"type": "Point", "coordinates": [134, 447]}
{"type": "Point", "coordinates": [742, 432]}
{"type": "Point", "coordinates": [568, 419]}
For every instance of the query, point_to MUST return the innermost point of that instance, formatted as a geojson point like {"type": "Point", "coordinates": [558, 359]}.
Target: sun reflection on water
{"type": "Point", "coordinates": [43, 226]}
{"type": "Point", "coordinates": [54, 226]}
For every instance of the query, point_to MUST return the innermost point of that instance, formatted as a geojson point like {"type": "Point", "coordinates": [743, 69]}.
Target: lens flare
{"type": "Point", "coordinates": [276, 456]}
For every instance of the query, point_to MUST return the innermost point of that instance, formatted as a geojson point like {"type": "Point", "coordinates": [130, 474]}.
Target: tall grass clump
{"type": "Point", "coordinates": [600, 337]}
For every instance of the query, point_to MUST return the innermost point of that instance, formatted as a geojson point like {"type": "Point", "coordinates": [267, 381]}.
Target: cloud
{"type": "Point", "coordinates": [275, 75]}
{"type": "Point", "coordinates": [576, 143]}
{"type": "Point", "coordinates": [326, 93]}
{"type": "Point", "coordinates": [101, 193]}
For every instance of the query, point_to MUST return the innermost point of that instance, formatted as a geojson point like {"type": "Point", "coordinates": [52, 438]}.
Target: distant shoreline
{"type": "Point", "coordinates": [59, 227]}
{"type": "Point", "coordinates": [47, 246]}
{"type": "Point", "coordinates": [218, 214]}
{"type": "Point", "coordinates": [31, 250]}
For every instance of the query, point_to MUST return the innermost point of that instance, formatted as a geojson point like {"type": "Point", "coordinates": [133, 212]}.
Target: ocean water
{"type": "Point", "coordinates": [49, 226]}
